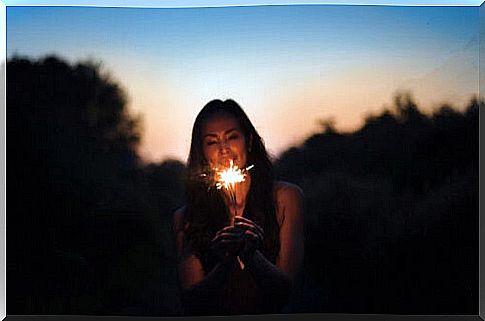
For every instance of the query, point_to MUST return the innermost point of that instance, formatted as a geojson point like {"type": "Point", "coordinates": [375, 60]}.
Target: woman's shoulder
{"type": "Point", "coordinates": [289, 200]}
{"type": "Point", "coordinates": [285, 190]}
{"type": "Point", "coordinates": [178, 219]}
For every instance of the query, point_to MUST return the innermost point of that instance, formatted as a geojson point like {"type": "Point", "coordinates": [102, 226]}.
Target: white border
{"type": "Point", "coordinates": [3, 198]}
{"type": "Point", "coordinates": [165, 4]}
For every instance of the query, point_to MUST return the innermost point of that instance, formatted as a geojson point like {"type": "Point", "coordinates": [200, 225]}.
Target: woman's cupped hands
{"type": "Point", "coordinates": [241, 239]}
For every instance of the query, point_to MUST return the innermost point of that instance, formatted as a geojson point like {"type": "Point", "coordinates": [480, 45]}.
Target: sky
{"type": "Point", "coordinates": [287, 66]}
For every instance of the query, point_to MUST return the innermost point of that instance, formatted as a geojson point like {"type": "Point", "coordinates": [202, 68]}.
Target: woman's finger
{"type": "Point", "coordinates": [243, 220]}
{"type": "Point", "coordinates": [253, 237]}
{"type": "Point", "coordinates": [240, 219]}
{"type": "Point", "coordinates": [242, 225]}
{"type": "Point", "coordinates": [222, 240]}
{"type": "Point", "coordinates": [225, 235]}
{"type": "Point", "coordinates": [227, 229]}
{"type": "Point", "coordinates": [255, 229]}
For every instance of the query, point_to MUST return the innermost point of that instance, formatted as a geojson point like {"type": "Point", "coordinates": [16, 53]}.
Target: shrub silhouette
{"type": "Point", "coordinates": [84, 233]}
{"type": "Point", "coordinates": [391, 209]}
{"type": "Point", "coordinates": [392, 212]}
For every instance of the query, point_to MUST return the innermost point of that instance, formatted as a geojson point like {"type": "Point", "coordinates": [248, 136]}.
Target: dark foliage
{"type": "Point", "coordinates": [87, 227]}
{"type": "Point", "coordinates": [392, 212]}
{"type": "Point", "coordinates": [391, 209]}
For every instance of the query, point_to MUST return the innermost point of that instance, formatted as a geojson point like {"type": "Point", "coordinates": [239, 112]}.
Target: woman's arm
{"type": "Point", "coordinates": [201, 298]}
{"type": "Point", "coordinates": [276, 280]}
{"type": "Point", "coordinates": [199, 291]}
{"type": "Point", "coordinates": [290, 203]}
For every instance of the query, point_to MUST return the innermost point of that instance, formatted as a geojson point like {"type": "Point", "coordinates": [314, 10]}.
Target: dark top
{"type": "Point", "coordinates": [240, 294]}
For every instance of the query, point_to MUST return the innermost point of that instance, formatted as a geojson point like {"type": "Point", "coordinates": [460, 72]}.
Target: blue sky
{"type": "Point", "coordinates": [288, 66]}
{"type": "Point", "coordinates": [282, 29]}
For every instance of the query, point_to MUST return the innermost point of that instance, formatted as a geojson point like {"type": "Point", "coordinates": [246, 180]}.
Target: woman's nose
{"type": "Point", "coordinates": [224, 145]}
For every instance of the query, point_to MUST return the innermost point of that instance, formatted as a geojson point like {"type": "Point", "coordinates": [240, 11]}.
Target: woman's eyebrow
{"type": "Point", "coordinates": [230, 130]}
{"type": "Point", "coordinates": [210, 135]}
{"type": "Point", "coordinates": [225, 132]}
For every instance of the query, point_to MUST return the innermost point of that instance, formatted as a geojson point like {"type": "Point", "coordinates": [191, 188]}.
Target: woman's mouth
{"type": "Point", "coordinates": [226, 161]}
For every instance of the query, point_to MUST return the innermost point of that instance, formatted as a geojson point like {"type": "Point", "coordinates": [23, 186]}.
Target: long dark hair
{"type": "Point", "coordinates": [206, 212]}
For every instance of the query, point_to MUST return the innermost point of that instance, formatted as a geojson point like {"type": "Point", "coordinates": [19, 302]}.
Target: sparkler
{"type": "Point", "coordinates": [228, 179]}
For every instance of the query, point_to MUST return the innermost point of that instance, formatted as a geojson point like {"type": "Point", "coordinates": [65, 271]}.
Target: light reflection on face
{"type": "Point", "coordinates": [223, 141]}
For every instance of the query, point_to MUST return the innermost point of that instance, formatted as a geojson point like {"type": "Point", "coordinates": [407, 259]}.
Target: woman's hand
{"type": "Point", "coordinates": [253, 235]}
{"type": "Point", "coordinates": [226, 244]}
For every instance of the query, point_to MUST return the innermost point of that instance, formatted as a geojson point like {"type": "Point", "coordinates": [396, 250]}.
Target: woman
{"type": "Point", "coordinates": [247, 267]}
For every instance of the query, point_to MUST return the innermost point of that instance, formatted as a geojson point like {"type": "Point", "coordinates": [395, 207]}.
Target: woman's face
{"type": "Point", "coordinates": [223, 141]}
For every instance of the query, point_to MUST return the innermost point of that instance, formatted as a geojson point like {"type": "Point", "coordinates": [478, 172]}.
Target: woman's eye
{"type": "Point", "coordinates": [210, 143]}
{"type": "Point", "coordinates": [233, 137]}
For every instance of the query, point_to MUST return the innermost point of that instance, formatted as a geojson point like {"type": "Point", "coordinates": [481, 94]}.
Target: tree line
{"type": "Point", "coordinates": [392, 211]}
{"type": "Point", "coordinates": [391, 208]}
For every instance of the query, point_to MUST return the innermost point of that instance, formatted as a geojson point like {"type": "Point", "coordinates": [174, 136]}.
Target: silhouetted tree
{"type": "Point", "coordinates": [391, 215]}
{"type": "Point", "coordinates": [392, 211]}
{"type": "Point", "coordinates": [71, 161]}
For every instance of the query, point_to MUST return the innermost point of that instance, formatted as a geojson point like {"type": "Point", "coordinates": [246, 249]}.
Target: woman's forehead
{"type": "Point", "coordinates": [220, 123]}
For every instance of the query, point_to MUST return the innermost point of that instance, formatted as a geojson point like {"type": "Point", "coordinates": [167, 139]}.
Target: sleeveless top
{"type": "Point", "coordinates": [240, 294]}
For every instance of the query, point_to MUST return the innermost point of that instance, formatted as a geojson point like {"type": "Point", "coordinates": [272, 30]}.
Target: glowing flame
{"type": "Point", "coordinates": [228, 178]}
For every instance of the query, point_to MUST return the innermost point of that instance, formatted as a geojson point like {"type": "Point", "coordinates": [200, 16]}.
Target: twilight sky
{"type": "Point", "coordinates": [288, 66]}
